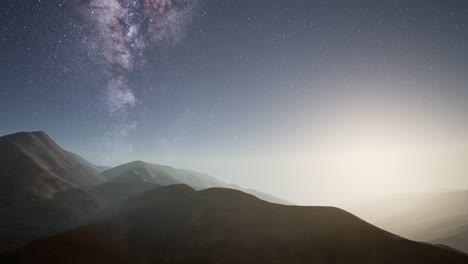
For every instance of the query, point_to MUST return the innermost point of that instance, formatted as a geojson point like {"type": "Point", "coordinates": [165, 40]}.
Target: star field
{"type": "Point", "coordinates": [204, 84]}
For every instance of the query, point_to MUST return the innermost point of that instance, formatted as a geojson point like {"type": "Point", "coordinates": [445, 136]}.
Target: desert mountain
{"type": "Point", "coordinates": [159, 174]}
{"type": "Point", "coordinates": [41, 191]}
{"type": "Point", "coordinates": [34, 163]}
{"type": "Point", "coordinates": [139, 171]}
{"type": "Point", "coordinates": [440, 217]}
{"type": "Point", "coordinates": [177, 224]}
{"type": "Point", "coordinates": [46, 189]}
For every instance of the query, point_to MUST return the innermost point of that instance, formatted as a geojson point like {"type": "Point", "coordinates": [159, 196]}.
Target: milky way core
{"type": "Point", "coordinates": [123, 31]}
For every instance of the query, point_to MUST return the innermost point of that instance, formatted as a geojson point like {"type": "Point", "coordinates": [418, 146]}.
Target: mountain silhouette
{"type": "Point", "coordinates": [159, 174]}
{"type": "Point", "coordinates": [57, 208]}
{"type": "Point", "coordinates": [177, 224]}
{"type": "Point", "coordinates": [142, 172]}
{"type": "Point", "coordinates": [46, 189]}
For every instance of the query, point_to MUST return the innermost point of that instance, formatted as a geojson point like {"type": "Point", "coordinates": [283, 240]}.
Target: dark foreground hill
{"type": "Point", "coordinates": [177, 224]}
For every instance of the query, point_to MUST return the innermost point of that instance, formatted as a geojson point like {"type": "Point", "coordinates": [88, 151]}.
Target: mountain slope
{"type": "Point", "coordinates": [46, 189]}
{"type": "Point", "coordinates": [34, 162]}
{"type": "Point", "coordinates": [40, 188]}
{"type": "Point", "coordinates": [177, 224]}
{"type": "Point", "coordinates": [457, 239]}
{"type": "Point", "coordinates": [159, 174]}
{"type": "Point", "coordinates": [80, 159]}
{"type": "Point", "coordinates": [139, 171]}
{"type": "Point", "coordinates": [440, 217]}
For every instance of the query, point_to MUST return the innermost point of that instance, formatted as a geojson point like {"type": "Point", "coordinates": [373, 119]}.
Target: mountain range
{"type": "Point", "coordinates": [46, 189]}
{"type": "Point", "coordinates": [57, 207]}
{"type": "Point", "coordinates": [165, 175]}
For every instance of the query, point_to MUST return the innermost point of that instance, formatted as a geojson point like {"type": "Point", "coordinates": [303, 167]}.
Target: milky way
{"type": "Point", "coordinates": [123, 31]}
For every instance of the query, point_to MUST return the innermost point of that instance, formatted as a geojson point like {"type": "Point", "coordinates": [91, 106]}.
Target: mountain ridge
{"type": "Point", "coordinates": [46, 189]}
{"type": "Point", "coordinates": [177, 224]}
{"type": "Point", "coordinates": [166, 175]}
{"type": "Point", "coordinates": [42, 190]}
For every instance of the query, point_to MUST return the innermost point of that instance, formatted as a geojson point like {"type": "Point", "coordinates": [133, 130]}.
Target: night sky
{"type": "Point", "coordinates": [289, 97]}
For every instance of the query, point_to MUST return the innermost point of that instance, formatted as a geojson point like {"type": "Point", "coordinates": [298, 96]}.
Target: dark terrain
{"type": "Point", "coordinates": [128, 214]}
{"type": "Point", "coordinates": [177, 224]}
{"type": "Point", "coordinates": [46, 189]}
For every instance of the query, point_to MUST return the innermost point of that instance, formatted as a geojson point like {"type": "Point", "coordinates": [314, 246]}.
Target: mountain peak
{"type": "Point", "coordinates": [30, 139]}
{"type": "Point", "coordinates": [138, 163]}
{"type": "Point", "coordinates": [26, 135]}
{"type": "Point", "coordinates": [34, 159]}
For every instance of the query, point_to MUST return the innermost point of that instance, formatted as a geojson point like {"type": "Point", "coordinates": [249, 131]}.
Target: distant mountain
{"type": "Point", "coordinates": [45, 189]}
{"type": "Point", "coordinates": [139, 171]}
{"type": "Point", "coordinates": [265, 196]}
{"type": "Point", "coordinates": [159, 174]}
{"type": "Point", "coordinates": [41, 190]}
{"type": "Point", "coordinates": [177, 224]}
{"type": "Point", "coordinates": [440, 217]}
{"type": "Point", "coordinates": [457, 239]}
